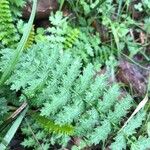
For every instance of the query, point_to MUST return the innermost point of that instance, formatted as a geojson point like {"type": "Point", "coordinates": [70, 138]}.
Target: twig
{"type": "Point", "coordinates": [13, 116]}
{"type": "Point", "coordinates": [18, 111]}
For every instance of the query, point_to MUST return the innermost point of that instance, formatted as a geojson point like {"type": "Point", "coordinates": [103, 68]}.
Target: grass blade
{"type": "Point", "coordinates": [116, 37]}
{"type": "Point", "coordinates": [11, 132]}
{"type": "Point", "coordinates": [61, 4]}
{"type": "Point", "coordinates": [20, 47]}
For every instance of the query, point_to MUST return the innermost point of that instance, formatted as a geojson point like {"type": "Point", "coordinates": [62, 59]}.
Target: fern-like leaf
{"type": "Point", "coordinates": [71, 37]}
{"type": "Point", "coordinates": [100, 133]}
{"type": "Point", "coordinates": [130, 129]}
{"type": "Point", "coordinates": [109, 101]}
{"type": "Point", "coordinates": [8, 32]}
{"type": "Point", "coordinates": [50, 126]}
{"type": "Point", "coordinates": [87, 122]}
{"type": "Point", "coordinates": [120, 110]}
{"type": "Point", "coordinates": [142, 143]}
{"type": "Point", "coordinates": [120, 143]}
{"type": "Point", "coordinates": [31, 38]}
{"type": "Point", "coordinates": [16, 7]}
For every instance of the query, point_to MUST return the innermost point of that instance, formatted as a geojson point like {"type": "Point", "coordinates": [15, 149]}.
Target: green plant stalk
{"type": "Point", "coordinates": [116, 37]}
{"type": "Point", "coordinates": [119, 8]}
{"type": "Point", "coordinates": [134, 62]}
{"type": "Point", "coordinates": [11, 132]}
{"type": "Point", "coordinates": [61, 4]}
{"type": "Point", "coordinates": [20, 47]}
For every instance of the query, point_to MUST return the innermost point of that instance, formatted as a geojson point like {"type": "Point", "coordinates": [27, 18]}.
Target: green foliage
{"type": "Point", "coordinates": [147, 25]}
{"type": "Point", "coordinates": [113, 117]}
{"type": "Point", "coordinates": [16, 7]}
{"type": "Point", "coordinates": [38, 138]}
{"type": "Point", "coordinates": [57, 74]}
{"type": "Point", "coordinates": [54, 82]}
{"type": "Point", "coordinates": [11, 132]}
{"type": "Point", "coordinates": [40, 35]}
{"type": "Point", "coordinates": [8, 32]}
{"type": "Point", "coordinates": [72, 37]}
{"type": "Point", "coordinates": [87, 46]}
{"type": "Point", "coordinates": [22, 27]}
{"type": "Point", "coordinates": [138, 7]}
{"type": "Point", "coordinates": [14, 60]}
{"type": "Point", "coordinates": [83, 7]}
{"type": "Point", "coordinates": [31, 38]}
{"type": "Point", "coordinates": [114, 22]}
{"type": "Point", "coordinates": [100, 133]}
{"type": "Point", "coordinates": [141, 144]}
{"type": "Point", "coordinates": [33, 137]}
{"type": "Point", "coordinates": [142, 6]}
{"type": "Point", "coordinates": [50, 126]}
{"type": "Point", "coordinates": [3, 108]}
{"type": "Point", "coordinates": [123, 137]}
{"type": "Point", "coordinates": [29, 142]}
{"type": "Point", "coordinates": [82, 42]}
